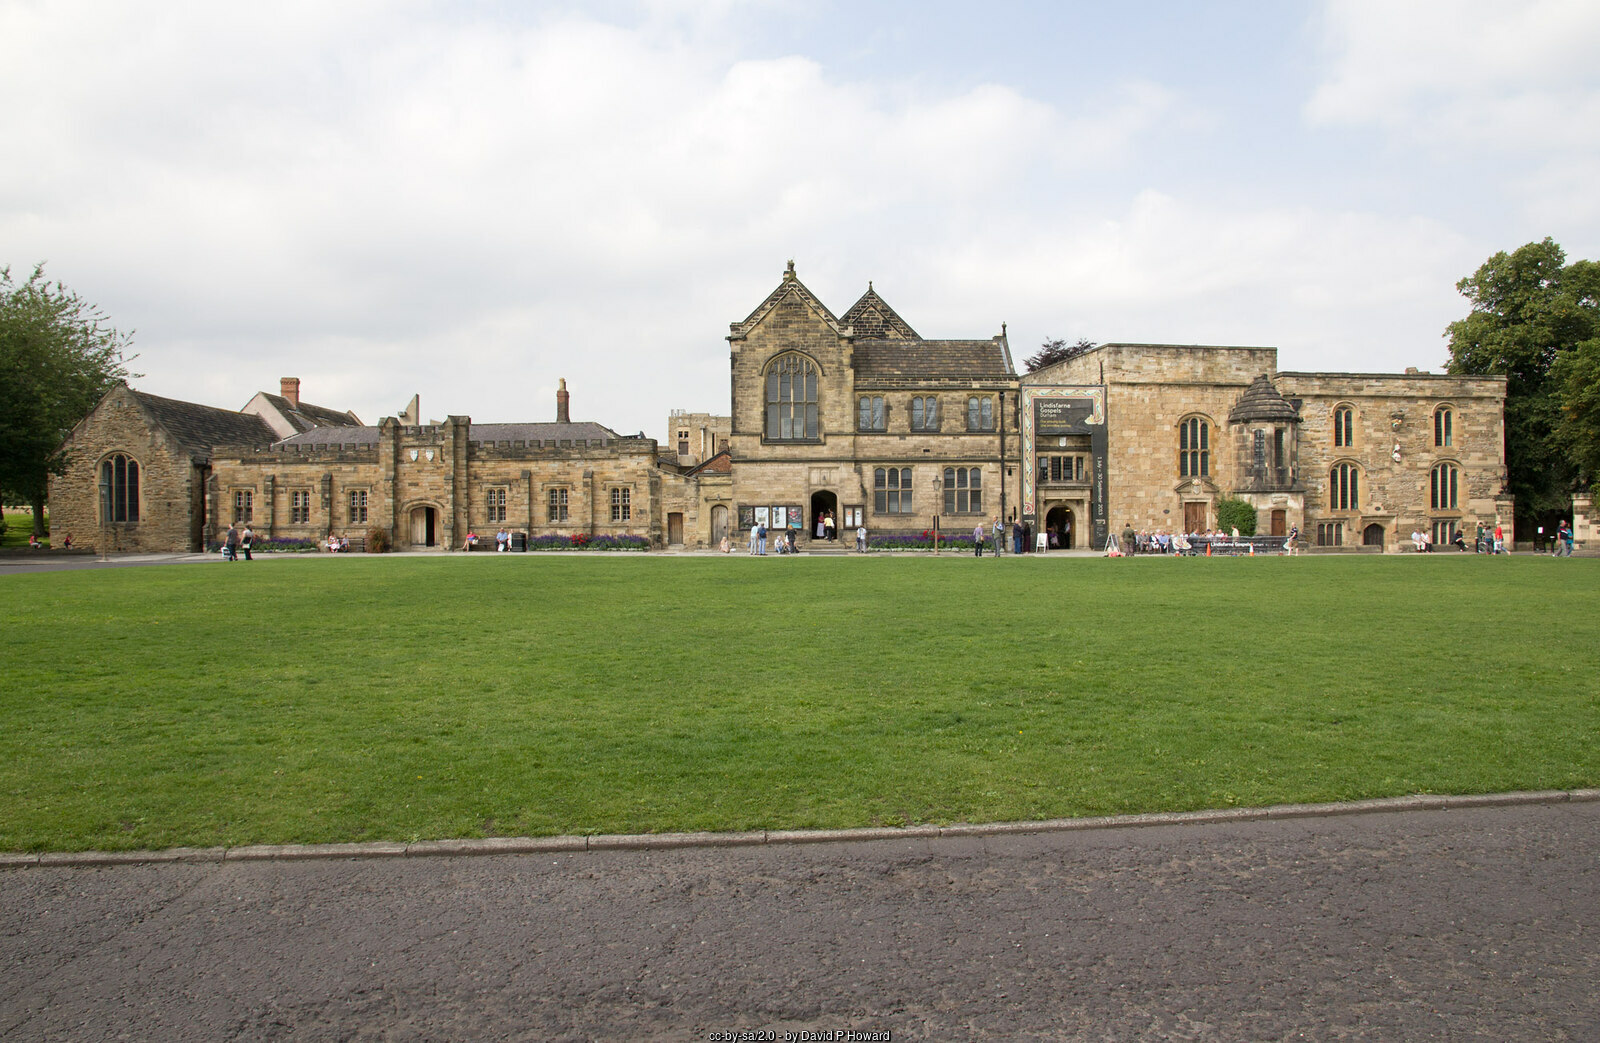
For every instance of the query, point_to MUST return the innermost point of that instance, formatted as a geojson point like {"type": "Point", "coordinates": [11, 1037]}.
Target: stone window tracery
{"type": "Point", "coordinates": [1443, 422]}
{"type": "Point", "coordinates": [120, 474]}
{"type": "Point", "coordinates": [891, 490]}
{"type": "Point", "coordinates": [1443, 481]}
{"type": "Point", "coordinates": [1344, 487]}
{"type": "Point", "coordinates": [963, 490]}
{"type": "Point", "coordinates": [1194, 448]}
{"type": "Point", "coordinates": [791, 399]}
{"type": "Point", "coordinates": [1344, 427]}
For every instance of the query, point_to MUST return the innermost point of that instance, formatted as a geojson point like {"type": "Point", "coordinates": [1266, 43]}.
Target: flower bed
{"type": "Point", "coordinates": [919, 541]}
{"type": "Point", "coordinates": [583, 541]}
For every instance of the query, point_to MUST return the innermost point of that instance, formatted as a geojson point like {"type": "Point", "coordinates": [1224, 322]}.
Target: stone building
{"type": "Point", "coordinates": [138, 467]}
{"type": "Point", "coordinates": [862, 418]}
{"type": "Point", "coordinates": [1155, 434]}
{"type": "Point", "coordinates": [857, 417]}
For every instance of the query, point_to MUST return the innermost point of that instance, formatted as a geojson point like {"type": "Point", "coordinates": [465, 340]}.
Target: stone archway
{"type": "Point", "coordinates": [1061, 522]}
{"type": "Point", "coordinates": [423, 523]}
{"type": "Point", "coordinates": [823, 502]}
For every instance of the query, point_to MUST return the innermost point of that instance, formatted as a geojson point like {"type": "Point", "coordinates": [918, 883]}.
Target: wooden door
{"type": "Point", "coordinates": [1194, 517]}
{"type": "Point", "coordinates": [1280, 523]}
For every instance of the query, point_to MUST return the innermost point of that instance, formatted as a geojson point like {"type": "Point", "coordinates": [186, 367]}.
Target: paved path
{"type": "Point", "coordinates": [1459, 925]}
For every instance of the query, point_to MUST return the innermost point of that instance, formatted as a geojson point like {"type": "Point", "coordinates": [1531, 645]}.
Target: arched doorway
{"type": "Point", "coordinates": [719, 525]}
{"type": "Point", "coordinates": [1372, 535]}
{"type": "Point", "coordinates": [1062, 526]}
{"type": "Point", "coordinates": [424, 527]}
{"type": "Point", "coordinates": [823, 503]}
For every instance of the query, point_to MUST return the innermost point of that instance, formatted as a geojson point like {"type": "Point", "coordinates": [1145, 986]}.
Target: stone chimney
{"type": "Point", "coordinates": [561, 403]}
{"type": "Point", "coordinates": [290, 390]}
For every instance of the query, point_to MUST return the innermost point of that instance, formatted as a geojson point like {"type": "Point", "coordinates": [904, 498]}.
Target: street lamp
{"type": "Point", "coordinates": [105, 507]}
{"type": "Point", "coordinates": [938, 502]}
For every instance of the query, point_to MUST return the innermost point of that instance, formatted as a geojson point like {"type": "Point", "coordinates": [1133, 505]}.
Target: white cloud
{"type": "Point", "coordinates": [387, 199]}
{"type": "Point", "coordinates": [1476, 74]}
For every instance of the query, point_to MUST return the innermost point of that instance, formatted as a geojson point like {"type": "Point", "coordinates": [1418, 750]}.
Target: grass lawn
{"type": "Point", "coordinates": [16, 529]}
{"type": "Point", "coordinates": [425, 697]}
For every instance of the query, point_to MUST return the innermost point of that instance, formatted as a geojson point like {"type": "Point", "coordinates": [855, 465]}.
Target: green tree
{"type": "Point", "coordinates": [1053, 351]}
{"type": "Point", "coordinates": [1236, 514]}
{"type": "Point", "coordinates": [58, 356]}
{"type": "Point", "coordinates": [1530, 311]}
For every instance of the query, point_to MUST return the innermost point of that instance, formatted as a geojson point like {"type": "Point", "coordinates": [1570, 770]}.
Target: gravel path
{"type": "Point", "coordinates": [1450, 925]}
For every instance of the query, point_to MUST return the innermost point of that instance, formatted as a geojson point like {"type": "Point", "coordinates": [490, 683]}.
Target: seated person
{"type": "Point", "coordinates": [33, 542]}
{"type": "Point", "coordinates": [471, 541]}
{"type": "Point", "coordinates": [66, 542]}
{"type": "Point", "coordinates": [333, 543]}
{"type": "Point", "coordinates": [502, 539]}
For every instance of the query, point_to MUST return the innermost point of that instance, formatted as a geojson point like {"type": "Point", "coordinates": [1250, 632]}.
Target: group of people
{"type": "Point", "coordinates": [785, 539]}
{"type": "Point", "coordinates": [502, 540]}
{"type": "Point", "coordinates": [996, 533]}
{"type": "Point", "coordinates": [783, 544]}
{"type": "Point", "coordinates": [1488, 541]}
{"type": "Point", "coordinates": [1564, 539]}
{"type": "Point", "coordinates": [34, 542]}
{"type": "Point", "coordinates": [235, 542]}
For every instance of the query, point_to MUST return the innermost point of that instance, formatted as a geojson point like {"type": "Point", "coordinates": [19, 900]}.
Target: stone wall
{"type": "Point", "coordinates": [1394, 449]}
{"type": "Point", "coordinates": [170, 482]}
{"type": "Point", "coordinates": [412, 469]}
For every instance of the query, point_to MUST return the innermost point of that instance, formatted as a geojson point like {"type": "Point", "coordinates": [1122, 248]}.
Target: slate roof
{"type": "Point", "coordinates": [1261, 401]}
{"type": "Point", "coordinates": [367, 435]}
{"type": "Point", "coordinates": [873, 319]}
{"type": "Point", "coordinates": [199, 428]}
{"type": "Point", "coordinates": [918, 363]}
{"type": "Point", "coordinates": [306, 416]}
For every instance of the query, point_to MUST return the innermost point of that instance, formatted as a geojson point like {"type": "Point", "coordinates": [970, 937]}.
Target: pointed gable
{"type": "Point", "coordinates": [791, 292]}
{"type": "Point", "coordinates": [871, 318]}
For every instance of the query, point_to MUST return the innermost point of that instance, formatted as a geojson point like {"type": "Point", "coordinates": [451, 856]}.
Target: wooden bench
{"type": "Point", "coordinates": [488, 543]}
{"type": "Point", "coordinates": [356, 545]}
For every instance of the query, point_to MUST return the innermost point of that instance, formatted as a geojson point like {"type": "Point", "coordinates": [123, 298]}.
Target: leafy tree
{"type": "Point", "coordinates": [1576, 374]}
{"type": "Point", "coordinates": [1236, 514]}
{"type": "Point", "coordinates": [1530, 312]}
{"type": "Point", "coordinates": [1053, 351]}
{"type": "Point", "coordinates": [58, 357]}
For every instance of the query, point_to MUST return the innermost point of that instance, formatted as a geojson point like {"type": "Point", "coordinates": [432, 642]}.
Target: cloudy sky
{"type": "Point", "coordinates": [472, 200]}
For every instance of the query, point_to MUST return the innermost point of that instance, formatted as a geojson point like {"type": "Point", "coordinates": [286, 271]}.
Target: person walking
{"type": "Point", "coordinates": [861, 539]}
{"type": "Point", "coordinates": [1564, 541]}
{"type": "Point", "coordinates": [246, 538]}
{"type": "Point", "coordinates": [997, 533]}
{"type": "Point", "coordinates": [230, 544]}
{"type": "Point", "coordinates": [977, 540]}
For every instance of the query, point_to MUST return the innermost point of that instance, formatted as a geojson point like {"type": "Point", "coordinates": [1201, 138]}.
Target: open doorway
{"type": "Point", "coordinates": [823, 503]}
{"type": "Point", "coordinates": [1061, 524]}
{"type": "Point", "coordinates": [424, 527]}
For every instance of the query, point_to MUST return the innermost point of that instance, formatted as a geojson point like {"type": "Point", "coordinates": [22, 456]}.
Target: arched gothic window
{"type": "Point", "coordinates": [1442, 485]}
{"type": "Point", "coordinates": [1443, 421]}
{"type": "Point", "coordinates": [1194, 448]}
{"type": "Point", "coordinates": [120, 476]}
{"type": "Point", "coordinates": [1344, 488]}
{"type": "Point", "coordinates": [791, 399]}
{"type": "Point", "coordinates": [1344, 427]}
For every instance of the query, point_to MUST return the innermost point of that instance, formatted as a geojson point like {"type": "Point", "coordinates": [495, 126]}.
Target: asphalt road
{"type": "Point", "coordinates": [1449, 925]}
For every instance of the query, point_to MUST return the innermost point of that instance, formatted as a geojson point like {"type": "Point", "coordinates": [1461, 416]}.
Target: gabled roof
{"type": "Point", "coordinates": [872, 318]}
{"type": "Point", "coordinates": [721, 463]}
{"type": "Point", "coordinates": [791, 288]}
{"type": "Point", "coordinates": [199, 428]}
{"type": "Point", "coordinates": [305, 416]}
{"type": "Point", "coordinates": [916, 363]}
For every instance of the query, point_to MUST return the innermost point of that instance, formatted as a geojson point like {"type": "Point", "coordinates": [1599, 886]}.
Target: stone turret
{"type": "Point", "coordinates": [562, 415]}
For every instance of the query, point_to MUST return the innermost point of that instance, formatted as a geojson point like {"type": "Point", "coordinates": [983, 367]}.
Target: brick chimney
{"type": "Point", "coordinates": [290, 390]}
{"type": "Point", "coordinates": [561, 403]}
